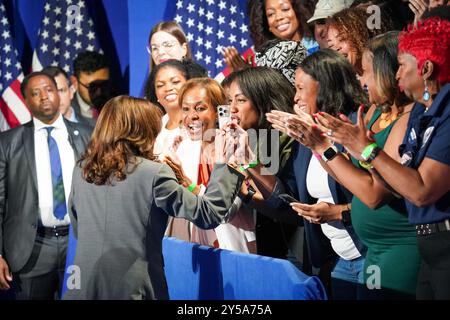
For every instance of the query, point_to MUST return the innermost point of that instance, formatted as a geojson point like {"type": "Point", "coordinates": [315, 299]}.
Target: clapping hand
{"type": "Point", "coordinates": [354, 137]}
{"type": "Point", "coordinates": [233, 59]}
{"type": "Point", "coordinates": [418, 7]}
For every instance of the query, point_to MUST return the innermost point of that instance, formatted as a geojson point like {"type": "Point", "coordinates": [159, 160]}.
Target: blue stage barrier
{"type": "Point", "coordinates": [197, 272]}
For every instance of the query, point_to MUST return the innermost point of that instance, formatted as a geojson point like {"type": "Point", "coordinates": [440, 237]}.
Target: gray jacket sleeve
{"type": "Point", "coordinates": [205, 211]}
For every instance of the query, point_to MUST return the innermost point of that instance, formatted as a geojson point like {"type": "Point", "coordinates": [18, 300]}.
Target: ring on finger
{"type": "Point", "coordinates": [330, 133]}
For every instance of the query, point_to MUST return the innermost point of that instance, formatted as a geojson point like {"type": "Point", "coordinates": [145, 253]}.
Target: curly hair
{"type": "Point", "coordinates": [430, 40]}
{"type": "Point", "coordinates": [339, 89]}
{"type": "Point", "coordinates": [126, 129]}
{"type": "Point", "coordinates": [259, 27]}
{"type": "Point", "coordinates": [352, 27]}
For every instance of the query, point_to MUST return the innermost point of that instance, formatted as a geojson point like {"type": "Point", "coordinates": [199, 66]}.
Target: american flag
{"type": "Point", "coordinates": [211, 25]}
{"type": "Point", "coordinates": [66, 30]}
{"type": "Point", "coordinates": [12, 105]}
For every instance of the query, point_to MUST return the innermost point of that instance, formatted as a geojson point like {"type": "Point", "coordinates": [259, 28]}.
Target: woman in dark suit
{"type": "Point", "coordinates": [120, 200]}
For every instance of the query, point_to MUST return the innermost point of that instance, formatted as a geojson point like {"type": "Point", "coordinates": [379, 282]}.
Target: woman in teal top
{"type": "Point", "coordinates": [379, 218]}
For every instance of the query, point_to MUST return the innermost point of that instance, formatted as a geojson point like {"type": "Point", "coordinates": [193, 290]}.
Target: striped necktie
{"type": "Point", "coordinates": [59, 198]}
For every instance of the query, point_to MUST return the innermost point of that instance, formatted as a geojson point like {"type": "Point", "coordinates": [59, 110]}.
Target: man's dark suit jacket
{"type": "Point", "coordinates": [81, 119]}
{"type": "Point", "coordinates": [19, 201]}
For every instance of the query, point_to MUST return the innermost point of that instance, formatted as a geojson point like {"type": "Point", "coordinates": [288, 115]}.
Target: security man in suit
{"type": "Point", "coordinates": [36, 164]}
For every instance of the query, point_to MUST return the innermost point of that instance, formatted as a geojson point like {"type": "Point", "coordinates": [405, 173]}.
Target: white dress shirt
{"type": "Point", "coordinates": [85, 109]}
{"type": "Point", "coordinates": [43, 168]}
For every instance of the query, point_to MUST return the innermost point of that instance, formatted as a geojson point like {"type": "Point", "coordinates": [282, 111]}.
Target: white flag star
{"type": "Point", "coordinates": [199, 56]}
{"type": "Point", "coordinates": [178, 18]}
{"type": "Point", "coordinates": [190, 22]}
{"type": "Point", "coordinates": [209, 30]}
{"type": "Point", "coordinates": [5, 34]}
{"type": "Point", "coordinates": [210, 15]}
{"type": "Point", "coordinates": [222, 5]}
{"type": "Point", "coordinates": [219, 63]}
{"type": "Point", "coordinates": [44, 47]}
{"type": "Point", "coordinates": [232, 38]}
{"type": "Point", "coordinates": [191, 8]}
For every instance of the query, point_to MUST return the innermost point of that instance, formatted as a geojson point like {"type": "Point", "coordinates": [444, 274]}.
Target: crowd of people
{"type": "Point", "coordinates": [332, 153]}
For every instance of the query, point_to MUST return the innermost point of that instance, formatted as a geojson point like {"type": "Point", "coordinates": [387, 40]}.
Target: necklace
{"type": "Point", "coordinates": [386, 119]}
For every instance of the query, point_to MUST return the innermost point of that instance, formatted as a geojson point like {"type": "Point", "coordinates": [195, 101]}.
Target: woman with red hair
{"type": "Point", "coordinates": [423, 176]}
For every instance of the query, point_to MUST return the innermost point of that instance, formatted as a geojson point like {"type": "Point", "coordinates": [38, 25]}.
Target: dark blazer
{"type": "Point", "coordinates": [81, 119]}
{"type": "Point", "coordinates": [19, 201]}
{"type": "Point", "coordinates": [319, 246]}
{"type": "Point", "coordinates": [120, 227]}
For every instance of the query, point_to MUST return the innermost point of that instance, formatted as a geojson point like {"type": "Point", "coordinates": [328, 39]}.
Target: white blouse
{"type": "Point", "coordinates": [317, 185]}
{"type": "Point", "coordinates": [165, 138]}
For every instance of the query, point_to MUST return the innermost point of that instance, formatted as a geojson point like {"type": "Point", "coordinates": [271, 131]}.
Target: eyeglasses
{"type": "Point", "coordinates": [94, 85]}
{"type": "Point", "coordinates": [166, 45]}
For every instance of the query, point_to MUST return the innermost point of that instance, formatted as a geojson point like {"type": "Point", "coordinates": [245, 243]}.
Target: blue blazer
{"type": "Point", "coordinates": [319, 246]}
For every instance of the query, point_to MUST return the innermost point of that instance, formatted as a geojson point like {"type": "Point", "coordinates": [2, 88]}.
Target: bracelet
{"type": "Point", "coordinates": [251, 165]}
{"type": "Point", "coordinates": [365, 165]}
{"type": "Point", "coordinates": [192, 186]}
{"type": "Point", "coordinates": [368, 151]}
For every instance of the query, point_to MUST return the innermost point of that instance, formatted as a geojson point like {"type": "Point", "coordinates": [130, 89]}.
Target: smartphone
{"type": "Point", "coordinates": [224, 114]}
{"type": "Point", "coordinates": [287, 198]}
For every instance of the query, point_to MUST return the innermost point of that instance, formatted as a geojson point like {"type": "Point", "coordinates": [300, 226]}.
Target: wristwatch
{"type": "Point", "coordinates": [346, 217]}
{"type": "Point", "coordinates": [330, 153]}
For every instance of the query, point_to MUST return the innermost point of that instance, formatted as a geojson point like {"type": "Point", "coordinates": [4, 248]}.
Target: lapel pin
{"type": "Point", "coordinates": [76, 132]}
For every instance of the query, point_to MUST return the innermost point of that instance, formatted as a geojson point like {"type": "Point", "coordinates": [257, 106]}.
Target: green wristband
{"type": "Point", "coordinates": [192, 186]}
{"type": "Point", "coordinates": [248, 166]}
{"type": "Point", "coordinates": [368, 150]}
{"type": "Point", "coordinates": [365, 165]}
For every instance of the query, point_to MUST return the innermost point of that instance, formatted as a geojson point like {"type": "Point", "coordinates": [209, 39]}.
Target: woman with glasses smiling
{"type": "Point", "coordinates": [167, 41]}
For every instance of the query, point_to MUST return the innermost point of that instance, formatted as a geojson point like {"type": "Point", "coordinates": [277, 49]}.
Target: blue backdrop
{"type": "Point", "coordinates": [122, 27]}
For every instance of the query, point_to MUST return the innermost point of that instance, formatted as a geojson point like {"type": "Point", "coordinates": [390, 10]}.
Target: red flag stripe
{"type": "Point", "coordinates": [8, 114]}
